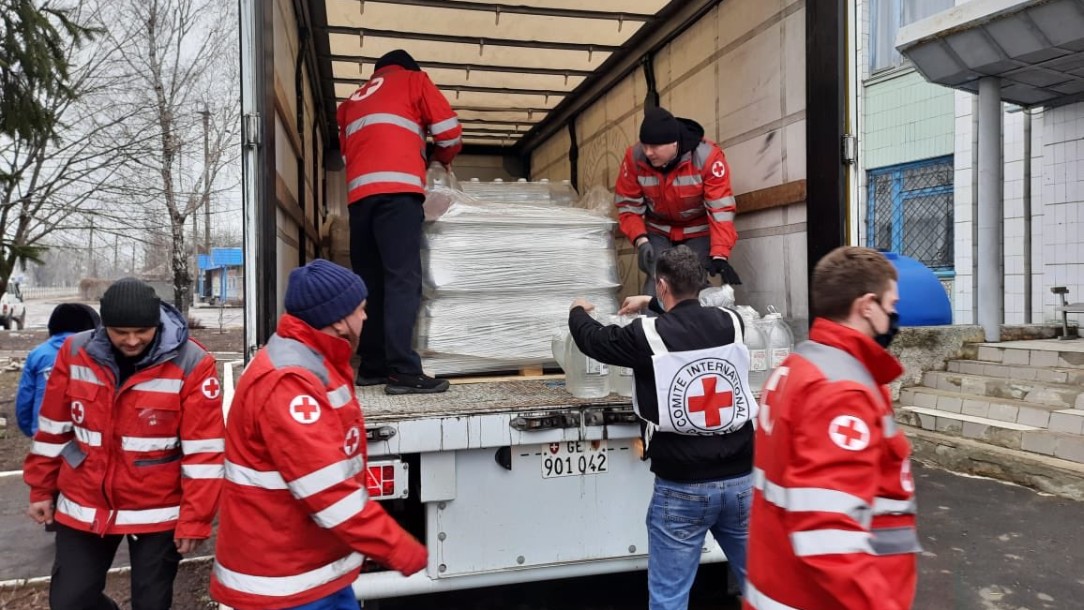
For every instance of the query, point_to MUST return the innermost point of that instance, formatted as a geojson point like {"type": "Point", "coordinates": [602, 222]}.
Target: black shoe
{"type": "Point", "coordinates": [414, 384]}
{"type": "Point", "coordinates": [367, 379]}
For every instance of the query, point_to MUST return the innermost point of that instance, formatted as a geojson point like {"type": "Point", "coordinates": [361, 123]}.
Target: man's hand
{"type": "Point", "coordinates": [645, 256]}
{"type": "Point", "coordinates": [633, 305]}
{"type": "Point", "coordinates": [721, 267]}
{"type": "Point", "coordinates": [41, 512]}
{"type": "Point", "coordinates": [187, 545]}
{"type": "Point", "coordinates": [582, 302]}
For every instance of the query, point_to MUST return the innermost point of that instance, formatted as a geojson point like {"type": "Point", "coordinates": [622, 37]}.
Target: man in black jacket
{"type": "Point", "coordinates": [697, 410]}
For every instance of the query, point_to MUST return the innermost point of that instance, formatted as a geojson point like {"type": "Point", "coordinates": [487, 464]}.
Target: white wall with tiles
{"type": "Point", "coordinates": [1062, 196]}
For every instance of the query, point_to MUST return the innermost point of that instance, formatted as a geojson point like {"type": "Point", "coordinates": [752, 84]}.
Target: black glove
{"type": "Point", "coordinates": [721, 267]}
{"type": "Point", "coordinates": [646, 258]}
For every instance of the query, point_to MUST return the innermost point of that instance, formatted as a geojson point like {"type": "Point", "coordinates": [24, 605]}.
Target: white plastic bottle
{"type": "Point", "coordinates": [585, 377]}
{"type": "Point", "coordinates": [780, 338]}
{"type": "Point", "coordinates": [621, 379]}
{"type": "Point", "coordinates": [757, 342]}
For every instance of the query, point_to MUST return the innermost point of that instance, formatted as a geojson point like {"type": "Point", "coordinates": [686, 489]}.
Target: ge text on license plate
{"type": "Point", "coordinates": [574, 458]}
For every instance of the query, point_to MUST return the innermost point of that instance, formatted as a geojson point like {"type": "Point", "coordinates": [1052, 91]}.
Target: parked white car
{"type": "Point", "coordinates": [12, 309]}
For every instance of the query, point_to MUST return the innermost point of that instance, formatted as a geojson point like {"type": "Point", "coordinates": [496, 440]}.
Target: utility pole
{"type": "Point", "coordinates": [116, 253]}
{"type": "Point", "coordinates": [206, 112]}
{"type": "Point", "coordinates": [93, 268]}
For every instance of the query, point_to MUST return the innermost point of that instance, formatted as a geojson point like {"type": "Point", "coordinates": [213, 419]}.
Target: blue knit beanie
{"type": "Point", "coordinates": [322, 293]}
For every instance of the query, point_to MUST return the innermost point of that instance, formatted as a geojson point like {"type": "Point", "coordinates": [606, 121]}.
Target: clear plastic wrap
{"type": "Point", "coordinates": [520, 191]}
{"type": "Point", "coordinates": [499, 278]}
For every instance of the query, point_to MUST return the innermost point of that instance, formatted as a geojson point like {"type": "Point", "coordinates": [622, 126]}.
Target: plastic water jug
{"type": "Point", "coordinates": [621, 379]}
{"type": "Point", "coordinates": [779, 337]}
{"type": "Point", "coordinates": [584, 377]}
{"type": "Point", "coordinates": [759, 358]}
{"type": "Point", "coordinates": [558, 342]}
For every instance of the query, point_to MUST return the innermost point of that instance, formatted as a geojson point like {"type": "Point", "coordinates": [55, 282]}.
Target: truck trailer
{"type": "Point", "coordinates": [511, 479]}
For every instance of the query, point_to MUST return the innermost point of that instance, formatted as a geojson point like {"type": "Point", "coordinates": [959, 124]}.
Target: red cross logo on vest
{"type": "Point", "coordinates": [353, 440]}
{"type": "Point", "coordinates": [211, 388]}
{"type": "Point", "coordinates": [849, 432]}
{"type": "Point", "coordinates": [304, 409]}
{"type": "Point", "coordinates": [78, 412]}
{"type": "Point", "coordinates": [712, 403]}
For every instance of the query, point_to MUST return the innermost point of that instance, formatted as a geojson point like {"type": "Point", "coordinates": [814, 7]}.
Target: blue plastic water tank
{"type": "Point", "coordinates": [923, 300]}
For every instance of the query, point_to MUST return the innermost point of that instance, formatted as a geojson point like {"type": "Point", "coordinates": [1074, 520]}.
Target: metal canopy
{"type": "Point", "coordinates": [503, 67]}
{"type": "Point", "coordinates": [1035, 48]}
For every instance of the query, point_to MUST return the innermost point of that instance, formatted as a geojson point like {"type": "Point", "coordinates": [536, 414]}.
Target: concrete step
{"type": "Point", "coordinates": [1003, 434]}
{"type": "Point", "coordinates": [1042, 472]}
{"type": "Point", "coordinates": [1008, 435]}
{"type": "Point", "coordinates": [999, 409]}
{"type": "Point", "coordinates": [1021, 373]}
{"type": "Point", "coordinates": [1042, 353]}
{"type": "Point", "coordinates": [1064, 396]}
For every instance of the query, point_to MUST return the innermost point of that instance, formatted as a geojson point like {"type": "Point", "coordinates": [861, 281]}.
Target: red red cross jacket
{"type": "Point", "coordinates": [144, 457]}
{"type": "Point", "coordinates": [833, 519]}
{"type": "Point", "coordinates": [383, 128]}
{"type": "Point", "coordinates": [692, 200]}
{"type": "Point", "coordinates": [296, 520]}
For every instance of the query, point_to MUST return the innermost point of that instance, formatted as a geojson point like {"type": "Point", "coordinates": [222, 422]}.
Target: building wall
{"type": "Point", "coordinates": [1063, 204]}
{"type": "Point", "coordinates": [906, 119]}
{"type": "Point", "coordinates": [740, 72]}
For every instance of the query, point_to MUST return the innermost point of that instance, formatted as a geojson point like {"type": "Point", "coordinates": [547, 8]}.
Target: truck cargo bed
{"type": "Point", "coordinates": [465, 399]}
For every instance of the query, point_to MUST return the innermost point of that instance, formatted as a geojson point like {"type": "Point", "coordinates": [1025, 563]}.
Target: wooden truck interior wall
{"type": "Point", "coordinates": [740, 72]}
{"type": "Point", "coordinates": [301, 217]}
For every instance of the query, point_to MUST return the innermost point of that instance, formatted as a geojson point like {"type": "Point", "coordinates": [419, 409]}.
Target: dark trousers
{"type": "Point", "coordinates": [82, 560]}
{"type": "Point", "coordinates": [385, 250]}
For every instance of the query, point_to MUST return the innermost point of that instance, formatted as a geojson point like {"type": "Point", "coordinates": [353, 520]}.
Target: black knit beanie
{"type": "Point", "coordinates": [72, 318]}
{"type": "Point", "coordinates": [130, 303]}
{"type": "Point", "coordinates": [400, 58]}
{"type": "Point", "coordinates": [659, 127]}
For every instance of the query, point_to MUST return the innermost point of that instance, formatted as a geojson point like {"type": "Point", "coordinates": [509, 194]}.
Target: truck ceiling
{"type": "Point", "coordinates": [515, 73]}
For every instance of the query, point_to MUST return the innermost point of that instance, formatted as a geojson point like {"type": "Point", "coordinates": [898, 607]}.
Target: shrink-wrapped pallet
{"type": "Point", "coordinates": [501, 272]}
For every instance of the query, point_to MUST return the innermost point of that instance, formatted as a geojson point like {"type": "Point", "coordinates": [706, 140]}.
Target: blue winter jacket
{"type": "Point", "coordinates": [39, 363]}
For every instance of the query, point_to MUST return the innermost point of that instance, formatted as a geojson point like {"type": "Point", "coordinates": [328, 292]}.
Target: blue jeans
{"type": "Point", "coordinates": [343, 599]}
{"type": "Point", "coordinates": [680, 516]}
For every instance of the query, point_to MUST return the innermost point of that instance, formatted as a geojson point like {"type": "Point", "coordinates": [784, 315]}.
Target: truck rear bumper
{"type": "Point", "coordinates": [382, 585]}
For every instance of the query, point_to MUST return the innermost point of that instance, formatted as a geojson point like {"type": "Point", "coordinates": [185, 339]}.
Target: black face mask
{"type": "Point", "coordinates": [885, 339]}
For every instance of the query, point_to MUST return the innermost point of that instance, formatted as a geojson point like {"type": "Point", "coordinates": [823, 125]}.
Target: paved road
{"type": "Point", "coordinates": [989, 546]}
{"type": "Point", "coordinates": [38, 311]}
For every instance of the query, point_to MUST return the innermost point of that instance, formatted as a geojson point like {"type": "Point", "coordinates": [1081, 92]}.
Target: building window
{"type": "Point", "coordinates": [886, 17]}
{"type": "Point", "coordinates": [910, 211]}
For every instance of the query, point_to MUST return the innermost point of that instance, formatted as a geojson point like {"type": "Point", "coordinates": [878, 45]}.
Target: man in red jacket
{"type": "Point", "coordinates": [833, 522]}
{"type": "Point", "coordinates": [382, 131]}
{"type": "Point", "coordinates": [130, 436]}
{"type": "Point", "coordinates": [297, 521]}
{"type": "Point", "coordinates": [674, 188]}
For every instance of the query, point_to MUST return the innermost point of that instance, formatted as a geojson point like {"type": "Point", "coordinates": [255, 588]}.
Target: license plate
{"type": "Point", "coordinates": [574, 458]}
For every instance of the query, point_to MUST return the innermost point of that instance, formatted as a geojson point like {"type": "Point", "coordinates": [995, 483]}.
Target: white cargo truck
{"type": "Point", "coordinates": [512, 479]}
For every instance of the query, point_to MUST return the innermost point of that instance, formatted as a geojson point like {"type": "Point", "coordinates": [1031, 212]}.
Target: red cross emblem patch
{"type": "Point", "coordinates": [211, 388]}
{"type": "Point", "coordinates": [353, 440]}
{"type": "Point", "coordinates": [712, 402]}
{"type": "Point", "coordinates": [304, 409]}
{"type": "Point", "coordinates": [78, 412]}
{"type": "Point", "coordinates": [848, 432]}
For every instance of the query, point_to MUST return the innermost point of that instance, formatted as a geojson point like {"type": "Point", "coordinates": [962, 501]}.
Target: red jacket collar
{"type": "Point", "coordinates": [880, 362]}
{"type": "Point", "coordinates": [335, 351]}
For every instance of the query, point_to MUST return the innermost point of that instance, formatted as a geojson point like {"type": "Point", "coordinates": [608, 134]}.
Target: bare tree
{"type": "Point", "coordinates": [176, 63]}
{"type": "Point", "coordinates": [52, 178]}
